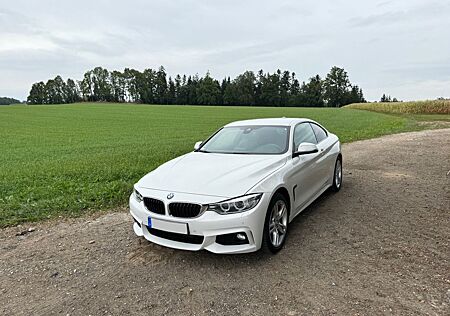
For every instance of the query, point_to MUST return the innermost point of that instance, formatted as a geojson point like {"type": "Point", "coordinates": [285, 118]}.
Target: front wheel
{"type": "Point", "coordinates": [276, 224]}
{"type": "Point", "coordinates": [337, 175]}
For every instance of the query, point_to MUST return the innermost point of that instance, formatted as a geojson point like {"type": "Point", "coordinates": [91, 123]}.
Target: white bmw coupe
{"type": "Point", "coordinates": [238, 190]}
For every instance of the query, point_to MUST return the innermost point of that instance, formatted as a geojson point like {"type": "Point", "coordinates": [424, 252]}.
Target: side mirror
{"type": "Point", "coordinates": [197, 145]}
{"type": "Point", "coordinates": [305, 149]}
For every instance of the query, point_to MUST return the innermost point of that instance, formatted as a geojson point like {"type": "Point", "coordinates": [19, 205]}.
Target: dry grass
{"type": "Point", "coordinates": [415, 107]}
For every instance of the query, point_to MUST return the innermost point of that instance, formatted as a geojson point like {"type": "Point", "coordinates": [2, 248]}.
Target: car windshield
{"type": "Point", "coordinates": [257, 140]}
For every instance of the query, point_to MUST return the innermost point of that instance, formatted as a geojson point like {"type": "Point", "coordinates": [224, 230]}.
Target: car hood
{"type": "Point", "coordinates": [221, 175]}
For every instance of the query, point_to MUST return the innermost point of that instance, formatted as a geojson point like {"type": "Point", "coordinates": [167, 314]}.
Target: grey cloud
{"type": "Point", "coordinates": [380, 43]}
{"type": "Point", "coordinates": [111, 45]}
{"type": "Point", "coordinates": [422, 71]}
{"type": "Point", "coordinates": [393, 16]}
{"type": "Point", "coordinates": [384, 3]}
{"type": "Point", "coordinates": [268, 49]}
{"type": "Point", "coordinates": [381, 19]}
{"type": "Point", "coordinates": [16, 22]}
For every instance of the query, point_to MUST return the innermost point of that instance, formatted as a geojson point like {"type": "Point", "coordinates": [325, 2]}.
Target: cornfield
{"type": "Point", "coordinates": [414, 107]}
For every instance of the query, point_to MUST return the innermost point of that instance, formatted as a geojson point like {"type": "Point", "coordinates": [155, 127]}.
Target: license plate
{"type": "Point", "coordinates": [173, 227]}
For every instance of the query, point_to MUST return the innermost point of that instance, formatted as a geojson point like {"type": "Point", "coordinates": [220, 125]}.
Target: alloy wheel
{"type": "Point", "coordinates": [338, 174]}
{"type": "Point", "coordinates": [278, 223]}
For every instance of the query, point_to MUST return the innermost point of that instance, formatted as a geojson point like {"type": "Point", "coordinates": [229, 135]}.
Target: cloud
{"type": "Point", "coordinates": [422, 71]}
{"type": "Point", "coordinates": [380, 19]}
{"type": "Point", "coordinates": [380, 43]}
{"type": "Point", "coordinates": [22, 42]}
{"type": "Point", "coordinates": [404, 14]}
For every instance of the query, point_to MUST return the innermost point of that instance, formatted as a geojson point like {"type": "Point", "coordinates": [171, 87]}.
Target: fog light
{"type": "Point", "coordinates": [239, 238]}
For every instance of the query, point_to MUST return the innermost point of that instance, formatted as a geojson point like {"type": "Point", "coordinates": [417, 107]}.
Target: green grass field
{"type": "Point", "coordinates": [72, 159]}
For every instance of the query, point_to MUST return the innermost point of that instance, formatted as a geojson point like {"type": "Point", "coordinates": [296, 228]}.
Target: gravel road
{"type": "Point", "coordinates": [379, 246]}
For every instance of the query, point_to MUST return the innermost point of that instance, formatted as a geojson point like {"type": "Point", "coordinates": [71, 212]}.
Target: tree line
{"type": "Point", "coordinates": [8, 101]}
{"type": "Point", "coordinates": [281, 88]}
{"type": "Point", "coordinates": [387, 98]}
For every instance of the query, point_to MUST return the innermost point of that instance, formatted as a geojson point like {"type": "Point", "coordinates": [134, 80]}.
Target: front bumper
{"type": "Point", "coordinates": [208, 226]}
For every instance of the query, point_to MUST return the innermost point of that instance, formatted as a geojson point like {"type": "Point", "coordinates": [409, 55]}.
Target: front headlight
{"type": "Point", "coordinates": [137, 195]}
{"type": "Point", "coordinates": [236, 205]}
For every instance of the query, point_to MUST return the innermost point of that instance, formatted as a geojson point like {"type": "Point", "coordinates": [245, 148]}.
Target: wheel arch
{"type": "Point", "coordinates": [283, 191]}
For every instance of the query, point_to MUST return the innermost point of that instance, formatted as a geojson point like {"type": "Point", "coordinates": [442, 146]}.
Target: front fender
{"type": "Point", "coordinates": [272, 183]}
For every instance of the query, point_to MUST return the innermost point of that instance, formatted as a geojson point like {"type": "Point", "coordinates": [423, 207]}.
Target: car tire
{"type": "Point", "coordinates": [269, 243]}
{"type": "Point", "coordinates": [337, 175]}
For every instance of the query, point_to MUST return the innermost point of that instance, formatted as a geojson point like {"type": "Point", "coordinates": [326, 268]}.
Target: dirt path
{"type": "Point", "coordinates": [380, 246]}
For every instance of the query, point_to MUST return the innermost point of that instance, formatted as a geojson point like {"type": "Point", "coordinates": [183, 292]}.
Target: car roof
{"type": "Point", "coordinates": [282, 121]}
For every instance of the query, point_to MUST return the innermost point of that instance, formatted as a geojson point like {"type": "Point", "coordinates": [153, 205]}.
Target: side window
{"type": "Point", "coordinates": [319, 132]}
{"type": "Point", "coordinates": [303, 133]}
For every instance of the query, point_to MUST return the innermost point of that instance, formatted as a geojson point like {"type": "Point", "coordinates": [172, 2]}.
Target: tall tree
{"type": "Point", "coordinates": [355, 95]}
{"type": "Point", "coordinates": [102, 86]}
{"type": "Point", "coordinates": [192, 84]}
{"type": "Point", "coordinates": [118, 86]}
{"type": "Point", "coordinates": [312, 93]}
{"type": "Point", "coordinates": [270, 89]}
{"type": "Point", "coordinates": [178, 83]}
{"type": "Point", "coordinates": [208, 91]}
{"type": "Point", "coordinates": [72, 93]}
{"type": "Point", "coordinates": [241, 91]}
{"type": "Point", "coordinates": [259, 87]}
{"type": "Point", "coordinates": [55, 91]}
{"type": "Point", "coordinates": [226, 82]}
{"type": "Point", "coordinates": [37, 93]}
{"type": "Point", "coordinates": [295, 90]}
{"type": "Point", "coordinates": [161, 86]}
{"type": "Point", "coordinates": [146, 85]}
{"type": "Point", "coordinates": [285, 88]}
{"type": "Point", "coordinates": [337, 85]}
{"type": "Point", "coordinates": [183, 91]}
{"type": "Point", "coordinates": [132, 80]}
{"type": "Point", "coordinates": [171, 92]}
{"type": "Point", "coordinates": [87, 87]}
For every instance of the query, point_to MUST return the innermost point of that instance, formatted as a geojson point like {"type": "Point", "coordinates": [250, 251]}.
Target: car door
{"type": "Point", "coordinates": [302, 177]}
{"type": "Point", "coordinates": [323, 171]}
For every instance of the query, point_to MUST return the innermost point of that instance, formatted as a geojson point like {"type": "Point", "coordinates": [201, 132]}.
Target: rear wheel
{"type": "Point", "coordinates": [276, 224]}
{"type": "Point", "coordinates": [337, 175]}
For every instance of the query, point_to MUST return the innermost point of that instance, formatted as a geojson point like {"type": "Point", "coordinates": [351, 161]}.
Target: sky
{"type": "Point", "coordinates": [401, 48]}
